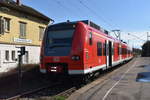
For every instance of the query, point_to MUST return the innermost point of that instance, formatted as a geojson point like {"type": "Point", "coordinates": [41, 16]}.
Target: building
{"type": "Point", "coordinates": [20, 25]}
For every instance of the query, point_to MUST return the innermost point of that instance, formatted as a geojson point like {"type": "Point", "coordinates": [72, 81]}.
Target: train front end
{"type": "Point", "coordinates": [62, 49]}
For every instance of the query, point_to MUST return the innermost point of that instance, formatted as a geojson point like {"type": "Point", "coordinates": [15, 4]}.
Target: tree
{"type": "Point", "coordinates": [146, 49]}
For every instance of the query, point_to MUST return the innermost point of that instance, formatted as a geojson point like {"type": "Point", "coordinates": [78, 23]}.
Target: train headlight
{"type": "Point", "coordinates": [75, 57]}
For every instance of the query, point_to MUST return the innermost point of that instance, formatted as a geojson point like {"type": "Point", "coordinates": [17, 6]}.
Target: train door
{"type": "Point", "coordinates": [110, 53]}
{"type": "Point", "coordinates": [106, 53]}
{"type": "Point", "coordinates": [89, 51]}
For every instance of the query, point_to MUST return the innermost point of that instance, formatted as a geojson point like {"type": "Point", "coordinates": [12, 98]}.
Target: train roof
{"type": "Point", "coordinates": [88, 22]}
{"type": "Point", "coordinates": [91, 24]}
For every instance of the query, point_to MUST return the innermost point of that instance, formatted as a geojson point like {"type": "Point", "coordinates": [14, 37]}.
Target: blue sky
{"type": "Point", "coordinates": [127, 15]}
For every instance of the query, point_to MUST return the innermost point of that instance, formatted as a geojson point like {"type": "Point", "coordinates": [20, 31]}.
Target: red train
{"type": "Point", "coordinates": [80, 48]}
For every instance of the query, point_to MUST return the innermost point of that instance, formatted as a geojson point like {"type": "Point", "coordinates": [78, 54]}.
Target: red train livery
{"type": "Point", "coordinates": [80, 48]}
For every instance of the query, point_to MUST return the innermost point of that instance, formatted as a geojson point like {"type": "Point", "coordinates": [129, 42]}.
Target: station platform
{"type": "Point", "coordinates": [131, 81]}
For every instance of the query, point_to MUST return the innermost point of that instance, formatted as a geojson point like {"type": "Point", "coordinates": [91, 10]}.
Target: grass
{"type": "Point", "coordinates": [59, 98]}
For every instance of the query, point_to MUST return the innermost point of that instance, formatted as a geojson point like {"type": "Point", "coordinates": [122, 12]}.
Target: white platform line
{"type": "Point", "coordinates": [107, 93]}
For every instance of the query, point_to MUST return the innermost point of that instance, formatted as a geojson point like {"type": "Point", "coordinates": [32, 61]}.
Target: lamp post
{"type": "Point", "coordinates": [148, 36]}
{"type": "Point", "coordinates": [128, 38]}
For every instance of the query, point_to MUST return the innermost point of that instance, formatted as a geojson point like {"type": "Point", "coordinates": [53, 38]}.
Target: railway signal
{"type": "Point", "coordinates": [21, 52]}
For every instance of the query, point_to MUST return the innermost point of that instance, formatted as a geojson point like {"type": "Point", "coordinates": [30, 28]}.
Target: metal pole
{"type": "Point", "coordinates": [119, 35]}
{"type": "Point", "coordinates": [128, 38]}
{"type": "Point", "coordinates": [22, 52]}
{"type": "Point", "coordinates": [148, 36]}
{"type": "Point", "coordinates": [20, 73]}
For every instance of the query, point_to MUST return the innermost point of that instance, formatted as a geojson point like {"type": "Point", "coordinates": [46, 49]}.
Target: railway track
{"type": "Point", "coordinates": [65, 93]}
{"type": "Point", "coordinates": [31, 92]}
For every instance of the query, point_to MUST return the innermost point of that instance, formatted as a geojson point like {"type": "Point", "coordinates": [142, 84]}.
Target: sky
{"type": "Point", "coordinates": [129, 16]}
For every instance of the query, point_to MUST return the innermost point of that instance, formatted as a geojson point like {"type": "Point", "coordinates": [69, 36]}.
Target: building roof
{"type": "Point", "coordinates": [23, 8]}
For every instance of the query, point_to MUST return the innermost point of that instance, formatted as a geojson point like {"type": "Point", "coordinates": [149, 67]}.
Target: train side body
{"type": "Point", "coordinates": [86, 51]}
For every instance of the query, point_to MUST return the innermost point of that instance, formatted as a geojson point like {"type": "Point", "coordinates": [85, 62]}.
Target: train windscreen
{"type": "Point", "coordinates": [58, 42]}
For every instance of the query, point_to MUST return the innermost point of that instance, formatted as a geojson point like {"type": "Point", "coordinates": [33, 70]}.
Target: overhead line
{"type": "Point", "coordinates": [59, 3]}
{"type": "Point", "coordinates": [105, 16]}
{"type": "Point", "coordinates": [136, 36]}
{"type": "Point", "coordinates": [89, 9]}
{"type": "Point", "coordinates": [92, 11]}
{"type": "Point", "coordinates": [78, 10]}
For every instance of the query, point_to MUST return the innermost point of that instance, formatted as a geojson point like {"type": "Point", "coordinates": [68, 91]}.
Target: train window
{"type": "Point", "coordinates": [124, 51]}
{"type": "Point", "coordinates": [99, 49]}
{"type": "Point", "coordinates": [104, 49]}
{"type": "Point", "coordinates": [113, 49]}
{"type": "Point", "coordinates": [90, 38]}
{"type": "Point", "coordinates": [121, 50]}
{"type": "Point", "coordinates": [58, 42]}
{"type": "Point", "coordinates": [118, 49]}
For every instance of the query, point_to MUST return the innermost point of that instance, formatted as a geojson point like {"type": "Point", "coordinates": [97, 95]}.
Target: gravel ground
{"type": "Point", "coordinates": [31, 79]}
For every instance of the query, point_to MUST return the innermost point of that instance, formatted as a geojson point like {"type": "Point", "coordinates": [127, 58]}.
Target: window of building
{"type": "Point", "coordinates": [6, 24]}
{"type": "Point", "coordinates": [41, 33]}
{"type": "Point", "coordinates": [7, 55]}
{"type": "Point", "coordinates": [22, 30]}
{"type": "Point", "coordinates": [1, 25]}
{"type": "Point", "coordinates": [99, 49]}
{"type": "Point", "coordinates": [26, 57]}
{"type": "Point", "coordinates": [13, 55]}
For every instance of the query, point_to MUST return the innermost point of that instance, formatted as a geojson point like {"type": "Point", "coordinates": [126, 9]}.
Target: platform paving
{"type": "Point", "coordinates": [121, 84]}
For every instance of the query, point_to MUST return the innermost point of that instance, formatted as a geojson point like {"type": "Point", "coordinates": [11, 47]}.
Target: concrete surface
{"type": "Point", "coordinates": [120, 84]}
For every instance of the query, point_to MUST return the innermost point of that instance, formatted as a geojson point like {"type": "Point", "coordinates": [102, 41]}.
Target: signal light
{"type": "Point", "coordinates": [22, 50]}
{"type": "Point", "coordinates": [75, 57]}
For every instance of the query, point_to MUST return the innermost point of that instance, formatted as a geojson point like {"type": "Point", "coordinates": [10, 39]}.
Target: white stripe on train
{"type": "Point", "coordinates": [90, 70]}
